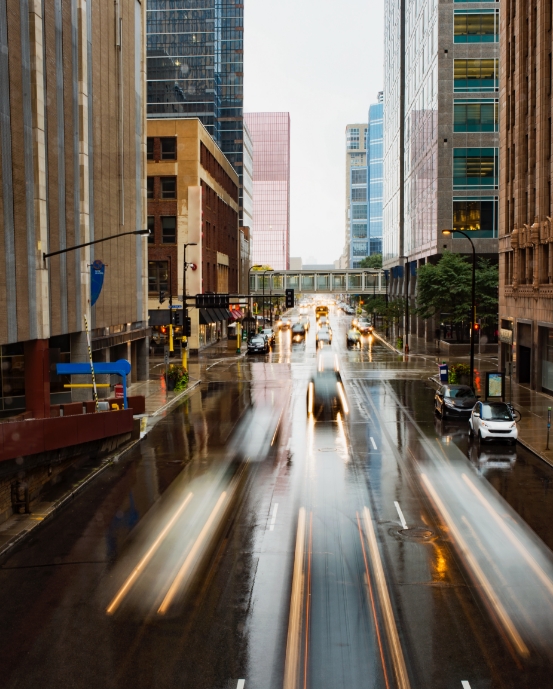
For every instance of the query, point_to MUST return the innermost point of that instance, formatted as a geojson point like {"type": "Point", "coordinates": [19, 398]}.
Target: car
{"type": "Point", "coordinates": [323, 337]}
{"type": "Point", "coordinates": [353, 338]}
{"type": "Point", "coordinates": [285, 323]}
{"type": "Point", "coordinates": [298, 332]}
{"type": "Point", "coordinates": [304, 320]}
{"type": "Point", "coordinates": [257, 344]}
{"type": "Point", "coordinates": [454, 401]}
{"type": "Point", "coordinates": [492, 421]}
{"type": "Point", "coordinates": [327, 329]}
{"type": "Point", "coordinates": [364, 326]}
{"type": "Point", "coordinates": [269, 333]}
{"type": "Point", "coordinates": [323, 320]}
{"type": "Point", "coordinates": [325, 390]}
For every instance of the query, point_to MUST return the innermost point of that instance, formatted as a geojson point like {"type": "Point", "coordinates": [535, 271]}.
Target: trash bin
{"type": "Point", "coordinates": [443, 373]}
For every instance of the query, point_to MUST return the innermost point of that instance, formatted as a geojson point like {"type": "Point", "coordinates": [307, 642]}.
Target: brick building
{"type": "Point", "coordinates": [192, 197]}
{"type": "Point", "coordinates": [525, 226]}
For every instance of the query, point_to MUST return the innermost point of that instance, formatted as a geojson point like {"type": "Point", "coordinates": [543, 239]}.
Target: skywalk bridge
{"type": "Point", "coordinates": [313, 282]}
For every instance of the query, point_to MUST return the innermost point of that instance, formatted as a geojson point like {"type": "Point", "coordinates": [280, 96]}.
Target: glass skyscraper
{"type": "Point", "coordinates": [270, 133]}
{"type": "Point", "coordinates": [375, 166]}
{"type": "Point", "coordinates": [195, 55]}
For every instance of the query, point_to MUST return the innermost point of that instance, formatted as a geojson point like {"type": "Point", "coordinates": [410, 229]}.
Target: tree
{"type": "Point", "coordinates": [372, 261]}
{"type": "Point", "coordinates": [446, 288]}
{"type": "Point", "coordinates": [260, 269]}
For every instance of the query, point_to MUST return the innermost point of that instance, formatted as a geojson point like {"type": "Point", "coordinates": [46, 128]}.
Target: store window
{"type": "Point", "coordinates": [476, 26]}
{"type": "Point", "coordinates": [476, 215]}
{"type": "Point", "coordinates": [158, 276]}
{"type": "Point", "coordinates": [169, 229]}
{"type": "Point", "coordinates": [476, 75]}
{"type": "Point", "coordinates": [475, 167]}
{"type": "Point", "coordinates": [475, 116]}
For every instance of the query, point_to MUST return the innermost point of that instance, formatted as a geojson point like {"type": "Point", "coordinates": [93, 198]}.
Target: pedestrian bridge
{"type": "Point", "coordinates": [313, 282]}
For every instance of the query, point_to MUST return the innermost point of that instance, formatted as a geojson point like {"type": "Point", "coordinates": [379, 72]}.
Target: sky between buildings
{"type": "Point", "coordinates": [322, 62]}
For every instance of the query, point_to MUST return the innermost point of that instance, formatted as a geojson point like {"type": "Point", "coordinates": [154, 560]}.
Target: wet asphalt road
{"type": "Point", "coordinates": [244, 544]}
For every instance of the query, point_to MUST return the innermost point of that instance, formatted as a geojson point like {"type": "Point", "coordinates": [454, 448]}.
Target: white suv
{"type": "Point", "coordinates": [493, 421]}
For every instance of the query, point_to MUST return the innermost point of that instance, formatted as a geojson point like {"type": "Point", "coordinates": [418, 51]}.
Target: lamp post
{"type": "Point", "coordinates": [473, 300]}
{"type": "Point", "coordinates": [96, 241]}
{"type": "Point", "coordinates": [184, 303]}
{"type": "Point", "coordinates": [264, 273]}
{"type": "Point", "coordinates": [257, 265]}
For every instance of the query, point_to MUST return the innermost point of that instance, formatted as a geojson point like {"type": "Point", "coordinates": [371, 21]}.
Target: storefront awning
{"type": "Point", "coordinates": [213, 315]}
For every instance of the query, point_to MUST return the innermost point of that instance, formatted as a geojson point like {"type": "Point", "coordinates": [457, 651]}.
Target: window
{"type": "Point", "coordinates": [360, 248]}
{"type": "Point", "coordinates": [158, 276]}
{"type": "Point", "coordinates": [168, 187]}
{"type": "Point", "coordinates": [352, 139]}
{"type": "Point", "coordinates": [475, 116]}
{"type": "Point", "coordinates": [359, 194]}
{"type": "Point", "coordinates": [359, 176]}
{"type": "Point", "coordinates": [357, 159]}
{"type": "Point", "coordinates": [169, 229]}
{"type": "Point", "coordinates": [150, 148]}
{"type": "Point", "coordinates": [168, 148]}
{"type": "Point", "coordinates": [475, 215]}
{"type": "Point", "coordinates": [376, 246]}
{"type": "Point", "coordinates": [359, 212]}
{"type": "Point", "coordinates": [150, 187]}
{"type": "Point", "coordinates": [359, 230]}
{"type": "Point", "coordinates": [476, 27]}
{"type": "Point", "coordinates": [475, 75]}
{"type": "Point", "coordinates": [151, 227]}
{"type": "Point", "coordinates": [474, 167]}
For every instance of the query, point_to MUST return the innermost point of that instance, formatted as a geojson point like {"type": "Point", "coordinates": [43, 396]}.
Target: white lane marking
{"type": "Point", "coordinates": [401, 517]}
{"type": "Point", "coordinates": [465, 684]}
{"type": "Point", "coordinates": [273, 519]}
{"type": "Point", "coordinates": [242, 682]}
{"type": "Point", "coordinates": [373, 443]}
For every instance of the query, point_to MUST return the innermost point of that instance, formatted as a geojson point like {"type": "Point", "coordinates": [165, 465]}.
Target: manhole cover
{"type": "Point", "coordinates": [327, 449]}
{"type": "Point", "coordinates": [417, 533]}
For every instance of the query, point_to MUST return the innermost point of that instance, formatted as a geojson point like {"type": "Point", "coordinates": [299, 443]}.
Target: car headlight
{"type": "Point", "coordinates": [448, 403]}
{"type": "Point", "coordinates": [482, 423]}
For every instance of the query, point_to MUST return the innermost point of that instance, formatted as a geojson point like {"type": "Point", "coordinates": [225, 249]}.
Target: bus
{"type": "Point", "coordinates": [321, 311]}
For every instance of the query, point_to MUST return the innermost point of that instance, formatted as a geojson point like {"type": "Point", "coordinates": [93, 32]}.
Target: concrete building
{"type": "Point", "coordinates": [270, 133]}
{"type": "Point", "coordinates": [356, 246]}
{"type": "Point", "coordinates": [440, 136]}
{"type": "Point", "coordinates": [72, 170]}
{"type": "Point", "coordinates": [195, 57]}
{"type": "Point", "coordinates": [525, 225]}
{"type": "Point", "coordinates": [192, 197]}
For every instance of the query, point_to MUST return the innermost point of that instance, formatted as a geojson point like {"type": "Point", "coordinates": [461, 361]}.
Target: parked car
{"type": "Point", "coordinates": [454, 401]}
{"type": "Point", "coordinates": [269, 333]}
{"type": "Point", "coordinates": [353, 338]}
{"type": "Point", "coordinates": [258, 344]}
{"type": "Point", "coordinates": [493, 421]}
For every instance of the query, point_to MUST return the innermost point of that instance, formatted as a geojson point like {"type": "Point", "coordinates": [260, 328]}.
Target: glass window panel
{"type": "Point", "coordinates": [169, 229]}
{"type": "Point", "coordinates": [150, 187]}
{"type": "Point", "coordinates": [354, 281]}
{"type": "Point", "coordinates": [150, 148]}
{"type": "Point", "coordinates": [168, 187]}
{"type": "Point", "coordinates": [151, 227]}
{"type": "Point", "coordinates": [168, 146]}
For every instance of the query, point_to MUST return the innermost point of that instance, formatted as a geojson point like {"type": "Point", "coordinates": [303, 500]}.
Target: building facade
{"type": "Point", "coordinates": [375, 174]}
{"type": "Point", "coordinates": [270, 133]}
{"type": "Point", "coordinates": [525, 225]}
{"type": "Point", "coordinates": [192, 198]}
{"type": "Point", "coordinates": [356, 220]}
{"type": "Point", "coordinates": [72, 150]}
{"type": "Point", "coordinates": [441, 140]}
{"type": "Point", "coordinates": [195, 58]}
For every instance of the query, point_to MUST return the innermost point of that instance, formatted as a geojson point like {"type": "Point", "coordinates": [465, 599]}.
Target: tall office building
{"type": "Point", "coordinates": [356, 248]}
{"type": "Point", "coordinates": [270, 133]}
{"type": "Point", "coordinates": [375, 168]}
{"type": "Point", "coordinates": [526, 228]}
{"type": "Point", "coordinates": [440, 134]}
{"type": "Point", "coordinates": [195, 56]}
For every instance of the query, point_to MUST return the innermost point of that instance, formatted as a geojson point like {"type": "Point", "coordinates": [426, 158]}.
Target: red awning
{"type": "Point", "coordinates": [236, 314]}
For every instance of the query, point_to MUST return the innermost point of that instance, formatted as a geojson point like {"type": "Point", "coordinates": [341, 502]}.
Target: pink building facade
{"type": "Point", "coordinates": [270, 132]}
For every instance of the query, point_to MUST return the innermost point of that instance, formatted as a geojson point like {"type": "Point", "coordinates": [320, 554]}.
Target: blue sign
{"type": "Point", "coordinates": [97, 270]}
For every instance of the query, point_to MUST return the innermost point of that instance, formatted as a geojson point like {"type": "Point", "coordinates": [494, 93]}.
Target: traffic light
{"type": "Point", "coordinates": [161, 296]}
{"type": "Point", "coordinates": [212, 299]}
{"type": "Point", "coordinates": [289, 298]}
{"type": "Point", "coordinates": [187, 327]}
{"type": "Point", "coordinates": [177, 316]}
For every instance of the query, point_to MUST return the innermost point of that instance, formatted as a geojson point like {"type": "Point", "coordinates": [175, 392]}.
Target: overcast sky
{"type": "Point", "coordinates": [322, 62]}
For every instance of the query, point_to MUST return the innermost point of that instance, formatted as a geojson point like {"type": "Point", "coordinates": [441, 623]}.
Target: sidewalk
{"type": "Point", "coordinates": [158, 401]}
{"type": "Point", "coordinates": [532, 405]}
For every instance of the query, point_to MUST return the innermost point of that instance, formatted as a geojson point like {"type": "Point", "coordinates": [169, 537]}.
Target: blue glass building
{"type": "Point", "coordinates": [375, 166]}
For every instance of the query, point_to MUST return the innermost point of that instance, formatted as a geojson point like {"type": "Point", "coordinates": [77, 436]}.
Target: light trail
{"type": "Point", "coordinates": [398, 660]}
{"type": "Point", "coordinates": [310, 396]}
{"type": "Point", "coordinates": [343, 398]}
{"type": "Point", "coordinates": [504, 618]}
{"type": "Point", "coordinates": [293, 642]}
{"type": "Point", "coordinates": [112, 607]}
{"type": "Point", "coordinates": [173, 589]}
{"type": "Point", "coordinates": [308, 599]}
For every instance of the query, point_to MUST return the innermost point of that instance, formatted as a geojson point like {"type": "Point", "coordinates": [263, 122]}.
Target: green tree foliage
{"type": "Point", "coordinates": [445, 288]}
{"type": "Point", "coordinates": [372, 261]}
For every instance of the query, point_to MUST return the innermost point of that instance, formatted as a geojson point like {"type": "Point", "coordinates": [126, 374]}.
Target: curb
{"type": "Point", "coordinates": [387, 344]}
{"type": "Point", "coordinates": [533, 450]}
{"type": "Point", "coordinates": [106, 463]}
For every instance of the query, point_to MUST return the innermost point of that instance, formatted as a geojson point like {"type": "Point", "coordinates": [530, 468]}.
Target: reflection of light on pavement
{"type": "Point", "coordinates": [147, 557]}
{"type": "Point", "coordinates": [293, 642]}
{"type": "Point", "coordinates": [343, 398]}
{"type": "Point", "coordinates": [173, 589]}
{"type": "Point", "coordinates": [473, 565]}
{"type": "Point", "coordinates": [342, 436]}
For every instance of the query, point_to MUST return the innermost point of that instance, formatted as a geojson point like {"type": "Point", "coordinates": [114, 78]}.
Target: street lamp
{"type": "Point", "coordinates": [473, 308]}
{"type": "Point", "coordinates": [184, 302]}
{"type": "Point", "coordinates": [96, 241]}
{"type": "Point", "coordinates": [264, 273]}
{"type": "Point", "coordinates": [257, 265]}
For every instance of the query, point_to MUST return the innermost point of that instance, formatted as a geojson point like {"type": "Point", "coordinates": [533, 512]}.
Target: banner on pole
{"type": "Point", "coordinates": [97, 270]}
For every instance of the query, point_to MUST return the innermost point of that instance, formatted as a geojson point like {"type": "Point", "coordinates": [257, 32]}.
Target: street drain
{"type": "Point", "coordinates": [417, 533]}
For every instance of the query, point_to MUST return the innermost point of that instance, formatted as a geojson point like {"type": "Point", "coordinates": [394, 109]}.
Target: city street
{"type": "Point", "coordinates": [244, 543]}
